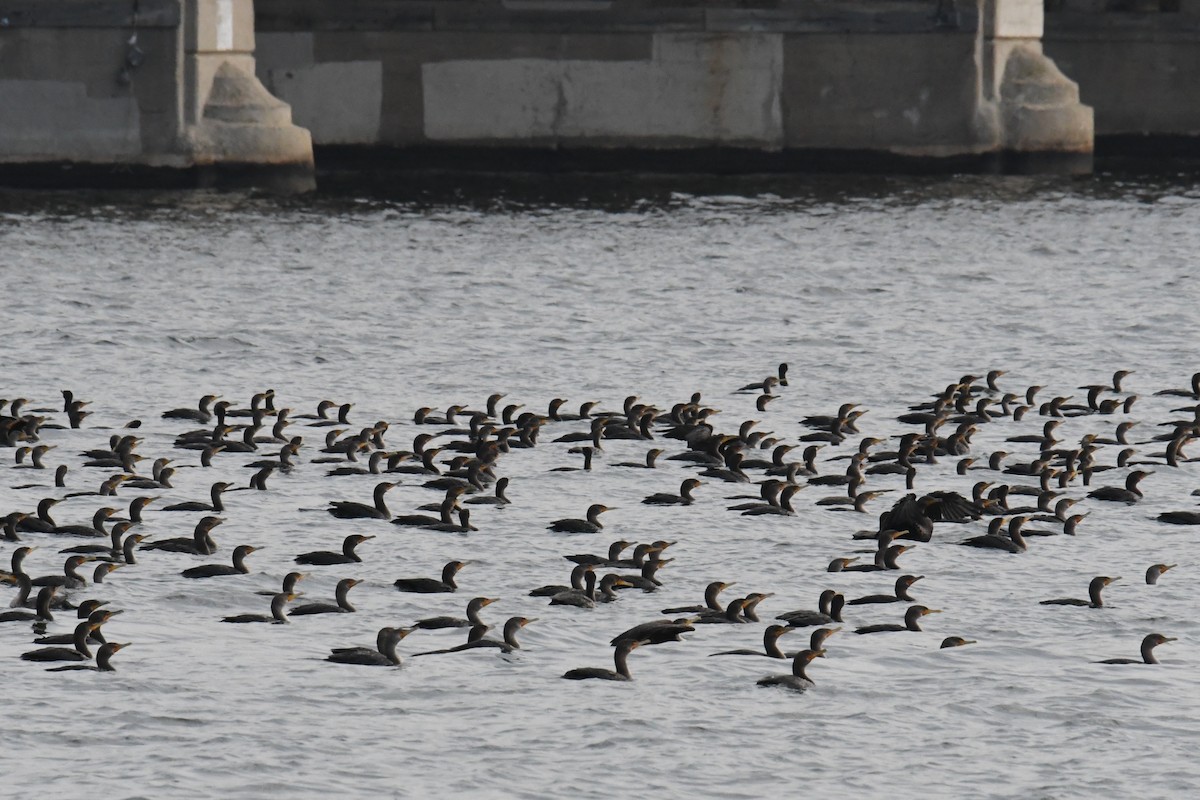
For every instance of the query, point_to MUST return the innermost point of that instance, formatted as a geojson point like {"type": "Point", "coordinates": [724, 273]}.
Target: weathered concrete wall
{"type": "Point", "coordinates": [907, 77]}
{"type": "Point", "coordinates": [1136, 61]}
{"type": "Point", "coordinates": [157, 84]}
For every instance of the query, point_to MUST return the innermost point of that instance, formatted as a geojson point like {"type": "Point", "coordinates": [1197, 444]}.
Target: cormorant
{"type": "Point", "coordinates": [620, 659]}
{"type": "Point", "coordinates": [80, 652]}
{"type": "Point", "coordinates": [902, 585]}
{"type": "Point", "coordinates": [342, 604]}
{"type": "Point", "coordinates": [70, 579]}
{"type": "Point", "coordinates": [432, 585]}
{"type": "Point", "coordinates": [684, 498]}
{"type": "Point", "coordinates": [770, 644]}
{"type": "Point", "coordinates": [1148, 644]}
{"type": "Point", "coordinates": [573, 525]}
{"type": "Point", "coordinates": [200, 543]}
{"type": "Point", "coordinates": [711, 603]}
{"type": "Point", "coordinates": [473, 608]}
{"type": "Point", "coordinates": [829, 607]}
{"type": "Point", "coordinates": [347, 556]}
{"type": "Point", "coordinates": [955, 641]}
{"type": "Point", "coordinates": [218, 570]}
{"type": "Point", "coordinates": [345, 509]}
{"type": "Point", "coordinates": [278, 611]}
{"type": "Point", "coordinates": [384, 654]}
{"type": "Point", "coordinates": [798, 681]}
{"type": "Point", "coordinates": [1130, 494]}
{"type": "Point", "coordinates": [1094, 600]}
{"type": "Point", "coordinates": [656, 632]}
{"type": "Point", "coordinates": [912, 618]}
{"type": "Point", "coordinates": [103, 659]}
{"type": "Point", "coordinates": [505, 645]}
{"type": "Point", "coordinates": [216, 506]}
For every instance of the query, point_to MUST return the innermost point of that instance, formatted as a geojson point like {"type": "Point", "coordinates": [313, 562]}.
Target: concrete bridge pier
{"type": "Point", "coordinates": [159, 92]}
{"type": "Point", "coordinates": [231, 123]}
{"type": "Point", "coordinates": [1028, 108]}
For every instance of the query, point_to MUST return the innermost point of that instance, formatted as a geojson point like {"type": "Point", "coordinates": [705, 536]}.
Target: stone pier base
{"type": "Point", "coordinates": [159, 92]}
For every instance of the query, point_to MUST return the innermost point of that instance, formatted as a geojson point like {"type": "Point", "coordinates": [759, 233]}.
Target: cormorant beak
{"type": "Point", "coordinates": [1169, 639]}
{"type": "Point", "coordinates": [932, 611]}
{"type": "Point", "coordinates": [529, 620]}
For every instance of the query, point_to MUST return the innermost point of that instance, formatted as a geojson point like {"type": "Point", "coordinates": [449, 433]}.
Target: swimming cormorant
{"type": "Point", "coordinates": [1094, 600]}
{"type": "Point", "coordinates": [1151, 641]}
{"type": "Point", "coordinates": [590, 596]}
{"type": "Point", "coordinates": [620, 661]}
{"type": "Point", "coordinates": [684, 498]}
{"type": "Point", "coordinates": [70, 579]}
{"type": "Point", "coordinates": [573, 525]}
{"type": "Point", "coordinates": [218, 570]}
{"type": "Point", "coordinates": [200, 542]}
{"type": "Point", "coordinates": [1130, 494]}
{"type": "Point", "coordinates": [473, 608]}
{"type": "Point", "coordinates": [711, 601]}
{"type": "Point", "coordinates": [505, 645]}
{"type": "Point", "coordinates": [656, 632]}
{"type": "Point", "coordinates": [1013, 543]}
{"type": "Point", "coordinates": [912, 619]}
{"type": "Point", "coordinates": [278, 611]}
{"type": "Point", "coordinates": [829, 607]}
{"type": "Point", "coordinates": [345, 509]}
{"type": "Point", "coordinates": [103, 659]}
{"type": "Point", "coordinates": [798, 681]}
{"type": "Point", "coordinates": [80, 652]}
{"type": "Point", "coordinates": [770, 644]}
{"type": "Point", "coordinates": [955, 641]}
{"type": "Point", "coordinates": [215, 506]}
{"type": "Point", "coordinates": [42, 614]}
{"type": "Point", "coordinates": [432, 585]}
{"type": "Point", "coordinates": [347, 556]}
{"type": "Point", "coordinates": [384, 654]}
{"type": "Point", "coordinates": [902, 585]}
{"type": "Point", "coordinates": [342, 604]}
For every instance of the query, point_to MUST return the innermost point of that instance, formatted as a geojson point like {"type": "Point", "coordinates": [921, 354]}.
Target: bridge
{"type": "Point", "coordinates": [198, 92]}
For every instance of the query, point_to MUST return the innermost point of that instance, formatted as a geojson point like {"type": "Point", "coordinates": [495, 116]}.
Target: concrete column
{"type": "Point", "coordinates": [233, 121]}
{"type": "Point", "coordinates": [1026, 101]}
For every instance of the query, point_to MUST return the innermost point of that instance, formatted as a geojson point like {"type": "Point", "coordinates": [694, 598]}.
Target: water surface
{"type": "Point", "coordinates": [876, 291]}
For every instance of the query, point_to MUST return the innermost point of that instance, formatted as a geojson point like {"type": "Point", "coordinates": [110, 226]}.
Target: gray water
{"type": "Point", "coordinates": [878, 292]}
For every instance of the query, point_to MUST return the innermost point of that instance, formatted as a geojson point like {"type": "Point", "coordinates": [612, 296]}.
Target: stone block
{"type": "Point", "coordinates": [1161, 96]}
{"type": "Point", "coordinates": [889, 93]}
{"type": "Point", "coordinates": [1013, 19]}
{"type": "Point", "coordinates": [339, 102]}
{"type": "Point", "coordinates": [50, 120]}
{"type": "Point", "coordinates": [695, 89]}
{"type": "Point", "coordinates": [283, 51]}
{"type": "Point", "coordinates": [225, 26]}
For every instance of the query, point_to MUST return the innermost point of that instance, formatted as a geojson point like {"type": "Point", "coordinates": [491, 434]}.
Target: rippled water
{"type": "Point", "coordinates": [875, 291]}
